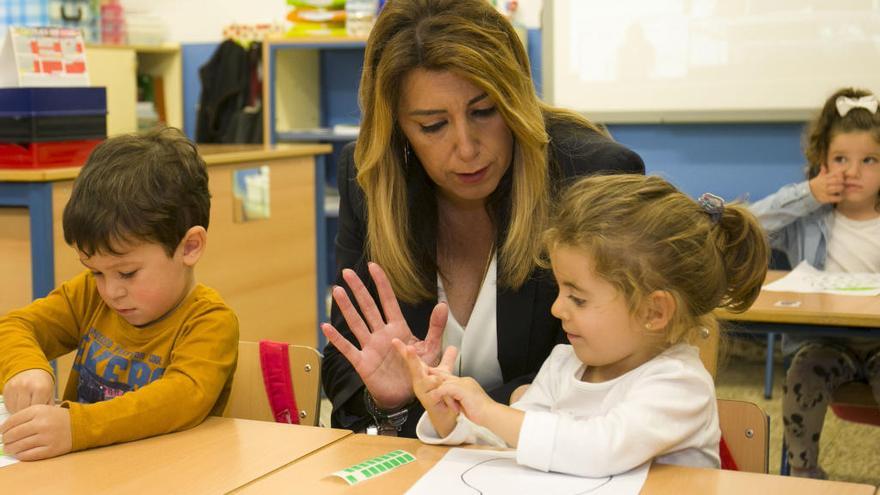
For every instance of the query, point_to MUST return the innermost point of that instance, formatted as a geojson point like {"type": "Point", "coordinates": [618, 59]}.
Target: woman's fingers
{"type": "Point", "coordinates": [436, 327]}
{"type": "Point", "coordinates": [386, 292]}
{"type": "Point", "coordinates": [352, 317]}
{"type": "Point", "coordinates": [364, 299]}
{"type": "Point", "coordinates": [352, 353]}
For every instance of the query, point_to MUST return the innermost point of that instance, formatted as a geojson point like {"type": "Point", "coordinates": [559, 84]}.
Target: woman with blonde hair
{"type": "Point", "coordinates": [448, 188]}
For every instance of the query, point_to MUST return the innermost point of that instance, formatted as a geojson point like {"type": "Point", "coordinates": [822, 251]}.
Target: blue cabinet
{"type": "Point", "coordinates": [310, 95]}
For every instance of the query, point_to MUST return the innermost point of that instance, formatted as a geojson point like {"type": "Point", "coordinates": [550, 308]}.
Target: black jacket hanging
{"type": "Point", "coordinates": [227, 79]}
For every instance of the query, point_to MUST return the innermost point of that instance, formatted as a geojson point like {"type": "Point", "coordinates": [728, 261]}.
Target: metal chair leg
{"type": "Point", "coordinates": [784, 467]}
{"type": "Point", "coordinates": [768, 366]}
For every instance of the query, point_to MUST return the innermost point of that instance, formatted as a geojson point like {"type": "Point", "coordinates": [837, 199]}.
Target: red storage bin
{"type": "Point", "coordinates": [48, 154]}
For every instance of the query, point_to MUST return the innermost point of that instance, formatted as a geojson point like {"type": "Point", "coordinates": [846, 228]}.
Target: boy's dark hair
{"type": "Point", "coordinates": [150, 187]}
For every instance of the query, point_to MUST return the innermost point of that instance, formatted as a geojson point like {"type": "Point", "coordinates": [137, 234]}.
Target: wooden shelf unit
{"type": "Point", "coordinates": [117, 66]}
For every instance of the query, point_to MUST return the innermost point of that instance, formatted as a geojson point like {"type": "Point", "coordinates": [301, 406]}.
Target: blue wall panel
{"type": "Point", "coordinates": [730, 160]}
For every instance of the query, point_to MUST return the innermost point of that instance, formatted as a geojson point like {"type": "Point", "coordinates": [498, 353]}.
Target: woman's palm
{"type": "Point", "coordinates": [381, 368]}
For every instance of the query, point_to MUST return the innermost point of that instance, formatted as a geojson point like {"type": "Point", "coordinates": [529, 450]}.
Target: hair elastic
{"type": "Point", "coordinates": [713, 205]}
{"type": "Point", "coordinates": [844, 104]}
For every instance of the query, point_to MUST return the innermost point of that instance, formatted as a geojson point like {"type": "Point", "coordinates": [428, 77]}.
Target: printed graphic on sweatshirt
{"type": "Point", "coordinates": [107, 370]}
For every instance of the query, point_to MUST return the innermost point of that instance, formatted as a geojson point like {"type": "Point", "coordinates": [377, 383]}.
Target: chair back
{"type": "Point", "coordinates": [248, 398]}
{"type": "Point", "coordinates": [746, 429]}
{"type": "Point", "coordinates": [854, 401]}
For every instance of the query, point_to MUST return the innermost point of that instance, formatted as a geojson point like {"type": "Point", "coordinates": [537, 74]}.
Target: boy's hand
{"type": "Point", "coordinates": [827, 187]}
{"type": "Point", "coordinates": [28, 388]}
{"type": "Point", "coordinates": [442, 411]}
{"type": "Point", "coordinates": [38, 432]}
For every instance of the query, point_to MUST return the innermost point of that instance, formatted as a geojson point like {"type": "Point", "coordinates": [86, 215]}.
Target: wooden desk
{"type": "Point", "coordinates": [311, 474]}
{"type": "Point", "coordinates": [215, 457]}
{"type": "Point", "coordinates": [668, 479]}
{"type": "Point", "coordinates": [812, 309]}
{"type": "Point", "coordinates": [807, 315]}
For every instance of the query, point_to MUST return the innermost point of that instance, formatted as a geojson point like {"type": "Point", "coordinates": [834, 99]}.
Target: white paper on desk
{"type": "Point", "coordinates": [5, 460]}
{"type": "Point", "coordinates": [491, 472]}
{"type": "Point", "coordinates": [805, 278]}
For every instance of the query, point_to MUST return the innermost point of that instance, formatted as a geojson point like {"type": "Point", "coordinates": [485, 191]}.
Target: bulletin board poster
{"type": "Point", "coordinates": [44, 56]}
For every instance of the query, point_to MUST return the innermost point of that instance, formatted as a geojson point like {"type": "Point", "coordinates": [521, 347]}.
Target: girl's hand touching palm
{"type": "Point", "coordinates": [442, 410]}
{"type": "Point", "coordinates": [383, 370]}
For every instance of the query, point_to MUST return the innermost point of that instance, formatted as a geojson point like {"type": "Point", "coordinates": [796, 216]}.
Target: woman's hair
{"type": "Point", "coordinates": [644, 235]}
{"type": "Point", "coordinates": [472, 40]}
{"type": "Point", "coordinates": [828, 124]}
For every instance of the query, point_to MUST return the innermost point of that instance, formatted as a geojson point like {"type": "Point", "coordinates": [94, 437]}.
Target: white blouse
{"type": "Point", "coordinates": [477, 343]}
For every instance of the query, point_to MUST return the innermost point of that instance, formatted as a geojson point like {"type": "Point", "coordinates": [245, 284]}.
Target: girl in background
{"type": "Point", "coordinates": [831, 221]}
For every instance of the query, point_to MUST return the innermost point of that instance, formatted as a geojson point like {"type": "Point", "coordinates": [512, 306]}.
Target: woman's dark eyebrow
{"type": "Point", "coordinates": [435, 112]}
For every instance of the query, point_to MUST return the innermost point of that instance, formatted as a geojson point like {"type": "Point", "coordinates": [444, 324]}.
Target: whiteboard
{"type": "Point", "coordinates": [706, 60]}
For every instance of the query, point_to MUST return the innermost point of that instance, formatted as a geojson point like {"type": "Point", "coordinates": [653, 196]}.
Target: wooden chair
{"type": "Point", "coordinates": [854, 401]}
{"type": "Point", "coordinates": [746, 430]}
{"type": "Point", "coordinates": [248, 397]}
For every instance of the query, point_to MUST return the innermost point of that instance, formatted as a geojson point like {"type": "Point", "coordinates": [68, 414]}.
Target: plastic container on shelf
{"type": "Point", "coordinates": [320, 4]}
{"type": "Point", "coordinates": [82, 14]}
{"type": "Point", "coordinates": [360, 16]}
{"type": "Point", "coordinates": [113, 31]}
{"type": "Point", "coordinates": [50, 127]}
{"type": "Point", "coordinates": [52, 114]}
{"type": "Point", "coordinates": [142, 26]}
{"type": "Point", "coordinates": [49, 154]}
{"type": "Point", "coordinates": [145, 30]}
{"type": "Point", "coordinates": [306, 21]}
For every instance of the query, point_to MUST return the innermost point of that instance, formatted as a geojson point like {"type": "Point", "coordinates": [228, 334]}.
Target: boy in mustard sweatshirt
{"type": "Point", "coordinates": [155, 350]}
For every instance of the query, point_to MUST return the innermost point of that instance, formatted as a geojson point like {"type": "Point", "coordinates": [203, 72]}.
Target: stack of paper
{"type": "Point", "coordinates": [805, 278]}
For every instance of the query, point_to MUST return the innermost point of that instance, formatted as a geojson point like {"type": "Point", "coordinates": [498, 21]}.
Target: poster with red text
{"type": "Point", "coordinates": [43, 56]}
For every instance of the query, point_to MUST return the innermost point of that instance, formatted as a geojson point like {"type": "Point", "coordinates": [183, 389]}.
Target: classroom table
{"type": "Point", "coordinates": [803, 309]}
{"type": "Point", "coordinates": [312, 474]}
{"type": "Point", "coordinates": [804, 314]}
{"type": "Point", "coordinates": [215, 457]}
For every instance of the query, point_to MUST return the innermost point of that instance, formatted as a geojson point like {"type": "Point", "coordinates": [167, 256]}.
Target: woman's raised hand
{"type": "Point", "coordinates": [383, 370]}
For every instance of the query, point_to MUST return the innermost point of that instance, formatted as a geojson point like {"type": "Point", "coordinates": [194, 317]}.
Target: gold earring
{"type": "Point", "coordinates": [648, 326]}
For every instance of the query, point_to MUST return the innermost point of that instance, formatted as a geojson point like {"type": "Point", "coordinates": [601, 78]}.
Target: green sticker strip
{"type": "Point", "coordinates": [376, 466]}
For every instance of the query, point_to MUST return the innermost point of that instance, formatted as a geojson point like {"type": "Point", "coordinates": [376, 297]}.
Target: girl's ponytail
{"type": "Point", "coordinates": [745, 254]}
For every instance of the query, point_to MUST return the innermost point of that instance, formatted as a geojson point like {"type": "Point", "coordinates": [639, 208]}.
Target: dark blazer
{"type": "Point", "coordinates": [527, 332]}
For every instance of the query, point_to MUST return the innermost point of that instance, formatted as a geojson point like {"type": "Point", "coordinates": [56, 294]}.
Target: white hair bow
{"type": "Point", "coordinates": [845, 104]}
